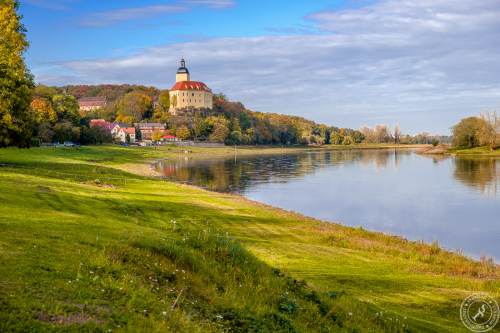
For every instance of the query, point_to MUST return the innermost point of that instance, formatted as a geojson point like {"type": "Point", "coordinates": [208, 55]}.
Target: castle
{"type": "Point", "coordinates": [189, 94]}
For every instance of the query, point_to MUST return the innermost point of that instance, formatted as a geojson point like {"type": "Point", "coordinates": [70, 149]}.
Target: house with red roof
{"type": "Point", "coordinates": [189, 94]}
{"type": "Point", "coordinates": [125, 132]}
{"type": "Point", "coordinates": [169, 138]}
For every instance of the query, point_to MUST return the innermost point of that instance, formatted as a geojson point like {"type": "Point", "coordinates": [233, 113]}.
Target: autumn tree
{"type": "Point", "coordinates": [16, 82]}
{"type": "Point", "coordinates": [157, 134]}
{"type": "Point", "coordinates": [133, 107]}
{"type": "Point", "coordinates": [183, 133]}
{"type": "Point", "coordinates": [467, 132]}
{"type": "Point", "coordinates": [489, 130]}
{"type": "Point", "coordinates": [348, 140]}
{"type": "Point", "coordinates": [219, 130]}
{"type": "Point", "coordinates": [43, 111]}
{"type": "Point", "coordinates": [199, 127]}
{"type": "Point", "coordinates": [162, 106]}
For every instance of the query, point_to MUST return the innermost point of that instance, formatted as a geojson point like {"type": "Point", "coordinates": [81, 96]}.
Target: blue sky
{"type": "Point", "coordinates": [420, 64]}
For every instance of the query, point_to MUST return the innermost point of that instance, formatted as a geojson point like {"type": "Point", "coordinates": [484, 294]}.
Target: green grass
{"type": "Point", "coordinates": [86, 245]}
{"type": "Point", "coordinates": [478, 151]}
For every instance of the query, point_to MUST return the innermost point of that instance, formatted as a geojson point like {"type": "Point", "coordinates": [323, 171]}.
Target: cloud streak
{"type": "Point", "coordinates": [422, 64]}
{"type": "Point", "coordinates": [111, 17]}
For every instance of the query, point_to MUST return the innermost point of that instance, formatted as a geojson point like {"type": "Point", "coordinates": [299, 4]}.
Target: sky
{"type": "Point", "coordinates": [421, 64]}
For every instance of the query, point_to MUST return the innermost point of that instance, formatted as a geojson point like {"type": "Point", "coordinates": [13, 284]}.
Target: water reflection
{"type": "Point", "coordinates": [452, 200]}
{"type": "Point", "coordinates": [478, 173]}
{"type": "Point", "coordinates": [236, 174]}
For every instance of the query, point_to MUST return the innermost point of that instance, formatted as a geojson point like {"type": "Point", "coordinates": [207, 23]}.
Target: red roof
{"type": "Point", "coordinates": [169, 137]}
{"type": "Point", "coordinates": [129, 130]}
{"type": "Point", "coordinates": [190, 85]}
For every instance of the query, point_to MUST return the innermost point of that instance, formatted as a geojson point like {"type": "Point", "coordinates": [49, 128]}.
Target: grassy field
{"type": "Point", "coordinates": [90, 241]}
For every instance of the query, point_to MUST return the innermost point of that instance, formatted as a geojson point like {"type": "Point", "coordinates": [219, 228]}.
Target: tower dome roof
{"type": "Point", "coordinates": [183, 69]}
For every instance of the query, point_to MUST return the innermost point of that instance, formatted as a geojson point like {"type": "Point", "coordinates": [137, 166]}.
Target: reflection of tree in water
{"type": "Point", "coordinates": [236, 175]}
{"type": "Point", "coordinates": [478, 173]}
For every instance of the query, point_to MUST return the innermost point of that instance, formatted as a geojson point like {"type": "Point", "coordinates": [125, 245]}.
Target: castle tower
{"type": "Point", "coordinates": [187, 94]}
{"type": "Point", "coordinates": [182, 72]}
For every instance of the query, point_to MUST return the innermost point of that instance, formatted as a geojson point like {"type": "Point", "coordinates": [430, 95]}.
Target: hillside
{"type": "Point", "coordinates": [86, 245]}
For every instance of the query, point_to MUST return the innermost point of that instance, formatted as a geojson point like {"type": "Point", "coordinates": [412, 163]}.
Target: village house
{"type": "Point", "coordinates": [148, 129]}
{"type": "Point", "coordinates": [129, 132]}
{"type": "Point", "coordinates": [189, 94]}
{"type": "Point", "coordinates": [91, 103]}
{"type": "Point", "coordinates": [116, 126]}
{"type": "Point", "coordinates": [169, 138]}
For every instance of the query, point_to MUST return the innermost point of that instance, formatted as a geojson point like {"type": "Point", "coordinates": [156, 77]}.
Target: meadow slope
{"type": "Point", "coordinates": [91, 241]}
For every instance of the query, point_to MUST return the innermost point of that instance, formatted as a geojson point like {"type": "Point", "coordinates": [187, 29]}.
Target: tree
{"type": "Point", "coordinates": [182, 133]}
{"type": "Point", "coordinates": [220, 97]}
{"type": "Point", "coordinates": [67, 108]}
{"type": "Point", "coordinates": [164, 100]}
{"type": "Point", "coordinates": [45, 132]}
{"type": "Point", "coordinates": [133, 107]}
{"type": "Point", "coordinates": [16, 82]}
{"type": "Point", "coordinates": [65, 131]}
{"type": "Point", "coordinates": [234, 138]}
{"type": "Point", "coordinates": [157, 135]}
{"type": "Point", "coordinates": [199, 127]}
{"type": "Point", "coordinates": [489, 130]}
{"type": "Point", "coordinates": [397, 134]}
{"type": "Point", "coordinates": [467, 132]}
{"type": "Point", "coordinates": [162, 106]}
{"type": "Point", "coordinates": [219, 131]}
{"type": "Point", "coordinates": [95, 135]}
{"type": "Point", "coordinates": [382, 133]}
{"type": "Point", "coordinates": [348, 140]}
{"type": "Point", "coordinates": [43, 111]}
{"type": "Point", "coordinates": [138, 134]}
{"type": "Point", "coordinates": [335, 138]}
{"type": "Point", "coordinates": [173, 102]}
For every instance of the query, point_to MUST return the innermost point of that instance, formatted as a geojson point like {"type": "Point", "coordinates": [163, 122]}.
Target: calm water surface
{"type": "Point", "coordinates": [455, 201]}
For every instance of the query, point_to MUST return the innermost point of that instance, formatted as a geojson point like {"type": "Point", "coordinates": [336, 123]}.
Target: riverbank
{"type": "Point", "coordinates": [87, 243]}
{"type": "Point", "coordinates": [479, 151]}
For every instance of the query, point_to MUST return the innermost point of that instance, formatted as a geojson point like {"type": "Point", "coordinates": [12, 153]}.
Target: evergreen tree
{"type": "Point", "coordinates": [16, 82]}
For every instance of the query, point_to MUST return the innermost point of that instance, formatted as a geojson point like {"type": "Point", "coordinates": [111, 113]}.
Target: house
{"type": "Point", "coordinates": [169, 138]}
{"type": "Point", "coordinates": [123, 133]}
{"type": "Point", "coordinates": [189, 94]}
{"type": "Point", "coordinates": [115, 128]}
{"type": "Point", "coordinates": [148, 129]}
{"type": "Point", "coordinates": [91, 103]}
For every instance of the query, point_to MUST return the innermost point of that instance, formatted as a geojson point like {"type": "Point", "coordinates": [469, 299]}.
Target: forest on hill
{"type": "Point", "coordinates": [228, 122]}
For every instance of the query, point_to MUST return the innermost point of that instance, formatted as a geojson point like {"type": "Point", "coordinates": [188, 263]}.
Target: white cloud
{"type": "Point", "coordinates": [126, 14]}
{"type": "Point", "coordinates": [212, 3]}
{"type": "Point", "coordinates": [110, 17]}
{"type": "Point", "coordinates": [422, 64]}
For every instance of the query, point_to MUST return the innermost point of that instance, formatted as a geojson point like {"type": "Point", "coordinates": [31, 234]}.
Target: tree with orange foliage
{"type": "Point", "coordinates": [43, 111]}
